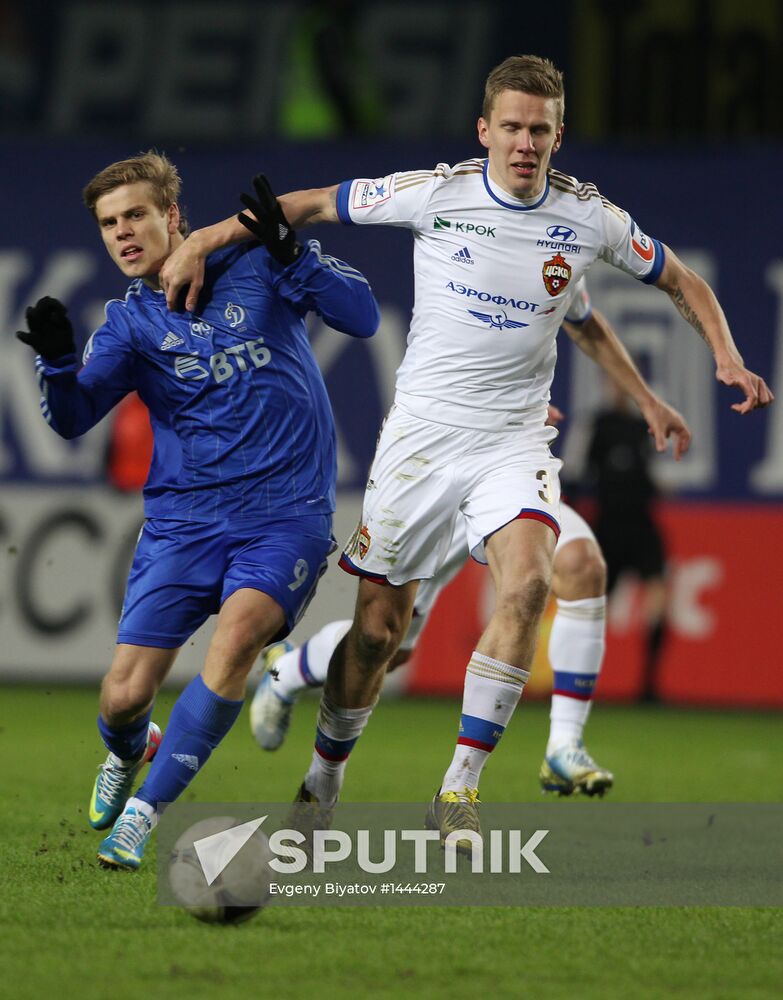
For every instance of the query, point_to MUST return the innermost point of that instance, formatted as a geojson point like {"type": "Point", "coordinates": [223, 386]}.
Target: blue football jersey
{"type": "Point", "coordinates": [241, 418]}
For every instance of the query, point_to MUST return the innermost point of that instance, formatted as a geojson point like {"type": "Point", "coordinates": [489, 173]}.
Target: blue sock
{"type": "Point", "coordinates": [127, 742]}
{"type": "Point", "coordinates": [578, 686]}
{"type": "Point", "coordinates": [199, 721]}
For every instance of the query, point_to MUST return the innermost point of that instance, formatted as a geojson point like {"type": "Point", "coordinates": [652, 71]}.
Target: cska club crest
{"type": "Point", "coordinates": [363, 541]}
{"type": "Point", "coordinates": [556, 274]}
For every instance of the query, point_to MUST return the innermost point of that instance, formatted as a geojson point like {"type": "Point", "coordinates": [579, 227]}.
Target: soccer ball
{"type": "Point", "coordinates": [242, 887]}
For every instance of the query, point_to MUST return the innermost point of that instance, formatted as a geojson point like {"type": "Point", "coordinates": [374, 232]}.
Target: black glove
{"type": "Point", "coordinates": [50, 333]}
{"type": "Point", "coordinates": [268, 224]}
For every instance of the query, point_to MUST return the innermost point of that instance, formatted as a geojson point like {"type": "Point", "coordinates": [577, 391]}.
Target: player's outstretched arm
{"type": "Point", "coordinates": [600, 343]}
{"type": "Point", "coordinates": [49, 331]}
{"type": "Point", "coordinates": [335, 290]}
{"type": "Point", "coordinates": [304, 208]}
{"type": "Point", "coordinates": [185, 266]}
{"type": "Point", "coordinates": [696, 302]}
{"type": "Point", "coordinates": [266, 221]}
{"type": "Point", "coordinates": [72, 401]}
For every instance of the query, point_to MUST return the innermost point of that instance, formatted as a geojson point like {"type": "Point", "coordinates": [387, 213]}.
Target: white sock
{"type": "Point", "coordinates": [144, 807]}
{"type": "Point", "coordinates": [307, 666]}
{"type": "Point", "coordinates": [492, 691]}
{"type": "Point", "coordinates": [124, 765]}
{"type": "Point", "coordinates": [337, 731]}
{"type": "Point", "coordinates": [576, 652]}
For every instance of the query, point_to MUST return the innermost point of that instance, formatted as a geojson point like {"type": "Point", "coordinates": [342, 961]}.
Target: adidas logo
{"type": "Point", "coordinates": [188, 759]}
{"type": "Point", "coordinates": [282, 231]}
{"type": "Point", "coordinates": [171, 340]}
{"type": "Point", "coordinates": [463, 256]}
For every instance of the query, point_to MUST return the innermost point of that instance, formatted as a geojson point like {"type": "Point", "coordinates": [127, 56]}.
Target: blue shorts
{"type": "Point", "coordinates": [183, 571]}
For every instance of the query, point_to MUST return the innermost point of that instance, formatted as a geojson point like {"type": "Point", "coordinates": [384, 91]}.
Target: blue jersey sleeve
{"type": "Point", "coordinates": [73, 400]}
{"type": "Point", "coordinates": [336, 291]}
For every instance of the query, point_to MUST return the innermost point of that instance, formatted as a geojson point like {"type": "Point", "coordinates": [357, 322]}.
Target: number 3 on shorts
{"type": "Point", "coordinates": [546, 486]}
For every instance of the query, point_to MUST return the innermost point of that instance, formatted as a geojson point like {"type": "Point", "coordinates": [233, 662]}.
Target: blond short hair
{"type": "Point", "coordinates": [153, 168]}
{"type": "Point", "coordinates": [529, 74]}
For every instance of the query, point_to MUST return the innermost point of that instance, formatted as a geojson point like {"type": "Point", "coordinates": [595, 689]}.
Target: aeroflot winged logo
{"type": "Point", "coordinates": [498, 320]}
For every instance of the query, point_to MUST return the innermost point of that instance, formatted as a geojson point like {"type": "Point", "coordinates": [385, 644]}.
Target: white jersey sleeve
{"type": "Point", "coordinates": [628, 248]}
{"type": "Point", "coordinates": [398, 199]}
{"type": "Point", "coordinates": [580, 308]}
{"type": "Point", "coordinates": [494, 279]}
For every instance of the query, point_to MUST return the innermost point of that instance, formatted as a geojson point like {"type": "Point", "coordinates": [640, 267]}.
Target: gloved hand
{"type": "Point", "coordinates": [268, 224]}
{"type": "Point", "coordinates": [50, 332]}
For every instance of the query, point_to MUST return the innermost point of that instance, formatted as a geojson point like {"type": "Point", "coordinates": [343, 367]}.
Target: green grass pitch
{"type": "Point", "coordinates": [71, 929]}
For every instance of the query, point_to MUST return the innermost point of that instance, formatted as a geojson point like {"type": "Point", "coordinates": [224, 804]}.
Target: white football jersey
{"type": "Point", "coordinates": [494, 278]}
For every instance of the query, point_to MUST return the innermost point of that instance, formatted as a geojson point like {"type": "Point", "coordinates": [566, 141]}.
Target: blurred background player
{"type": "Point", "coordinates": [579, 582]}
{"type": "Point", "coordinates": [131, 444]}
{"type": "Point", "coordinates": [621, 479]}
{"type": "Point", "coordinates": [324, 59]}
{"type": "Point", "coordinates": [240, 495]}
{"type": "Point", "coordinates": [465, 440]}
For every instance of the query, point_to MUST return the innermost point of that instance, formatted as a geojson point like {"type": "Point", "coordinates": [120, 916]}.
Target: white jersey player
{"type": "Point", "coordinates": [466, 439]}
{"type": "Point", "coordinates": [493, 275]}
{"type": "Point", "coordinates": [576, 644]}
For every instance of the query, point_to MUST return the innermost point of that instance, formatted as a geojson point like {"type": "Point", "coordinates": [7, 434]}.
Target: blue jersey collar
{"type": "Point", "coordinates": [516, 206]}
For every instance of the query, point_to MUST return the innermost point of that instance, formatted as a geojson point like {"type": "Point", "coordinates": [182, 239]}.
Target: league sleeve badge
{"type": "Point", "coordinates": [642, 245]}
{"type": "Point", "coordinates": [368, 193]}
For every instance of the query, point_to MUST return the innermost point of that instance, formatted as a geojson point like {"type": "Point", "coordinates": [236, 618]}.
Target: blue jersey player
{"type": "Point", "coordinates": [240, 494]}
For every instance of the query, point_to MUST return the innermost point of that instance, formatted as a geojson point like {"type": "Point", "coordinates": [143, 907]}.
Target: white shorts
{"type": "Point", "coordinates": [573, 526]}
{"type": "Point", "coordinates": [430, 480]}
